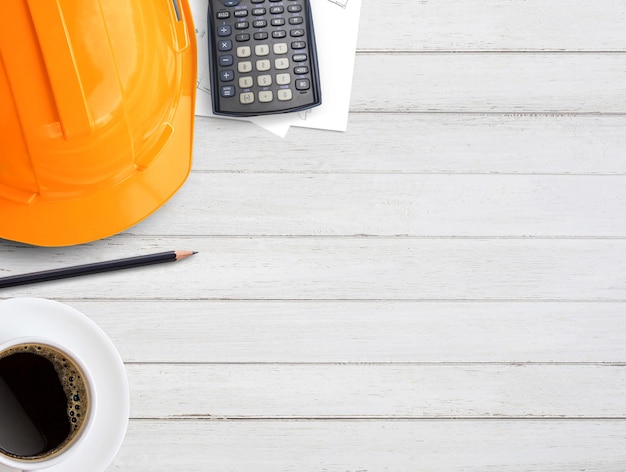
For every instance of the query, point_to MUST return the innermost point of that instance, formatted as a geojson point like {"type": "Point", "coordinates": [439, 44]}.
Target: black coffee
{"type": "Point", "coordinates": [43, 401]}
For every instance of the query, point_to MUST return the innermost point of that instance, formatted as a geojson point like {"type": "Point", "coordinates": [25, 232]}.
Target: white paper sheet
{"type": "Point", "coordinates": [336, 28]}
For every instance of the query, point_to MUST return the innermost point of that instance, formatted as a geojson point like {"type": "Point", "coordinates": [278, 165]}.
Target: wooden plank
{"type": "Point", "coordinates": [376, 391]}
{"type": "Point", "coordinates": [340, 268]}
{"type": "Point", "coordinates": [391, 204]}
{"type": "Point", "coordinates": [273, 446]}
{"type": "Point", "coordinates": [490, 83]}
{"type": "Point", "coordinates": [335, 331]}
{"type": "Point", "coordinates": [422, 143]}
{"type": "Point", "coordinates": [494, 25]}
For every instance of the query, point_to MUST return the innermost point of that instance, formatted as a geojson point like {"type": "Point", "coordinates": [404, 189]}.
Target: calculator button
{"type": "Point", "coordinates": [224, 45]}
{"type": "Point", "coordinates": [244, 67]}
{"type": "Point", "coordinates": [230, 3]}
{"type": "Point", "coordinates": [298, 45]}
{"type": "Point", "coordinates": [278, 22]}
{"type": "Point", "coordinates": [259, 23]}
{"type": "Point", "coordinates": [241, 13]}
{"type": "Point", "coordinates": [227, 75]}
{"type": "Point", "coordinates": [246, 82]}
{"type": "Point", "coordinates": [226, 60]}
{"type": "Point", "coordinates": [301, 70]}
{"type": "Point", "coordinates": [303, 84]}
{"type": "Point", "coordinates": [276, 10]}
{"type": "Point", "coordinates": [258, 11]}
{"type": "Point", "coordinates": [294, 8]}
{"type": "Point", "coordinates": [284, 95]}
{"type": "Point", "coordinates": [224, 30]}
{"type": "Point", "coordinates": [281, 63]}
{"type": "Point", "coordinates": [242, 38]}
{"type": "Point", "coordinates": [266, 96]}
{"type": "Point", "coordinates": [222, 15]}
{"type": "Point", "coordinates": [283, 79]}
{"type": "Point", "coordinates": [244, 51]}
{"type": "Point", "coordinates": [296, 33]}
{"type": "Point", "coordinates": [227, 91]}
{"type": "Point", "coordinates": [280, 48]}
{"type": "Point", "coordinates": [261, 36]}
{"type": "Point", "coordinates": [279, 34]}
{"type": "Point", "coordinates": [262, 50]}
{"type": "Point", "coordinates": [257, 1]}
{"type": "Point", "coordinates": [296, 20]}
{"type": "Point", "coordinates": [242, 25]}
{"type": "Point", "coordinates": [264, 80]}
{"type": "Point", "coordinates": [246, 98]}
{"type": "Point", "coordinates": [299, 57]}
{"type": "Point", "coordinates": [263, 65]}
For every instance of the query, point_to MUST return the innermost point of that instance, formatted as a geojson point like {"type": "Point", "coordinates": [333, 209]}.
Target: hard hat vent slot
{"type": "Point", "coordinates": [181, 38]}
{"type": "Point", "coordinates": [16, 195]}
{"type": "Point", "coordinates": [177, 10]}
{"type": "Point", "coordinates": [148, 157]}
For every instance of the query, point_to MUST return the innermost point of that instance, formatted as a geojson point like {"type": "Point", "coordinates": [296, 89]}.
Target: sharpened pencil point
{"type": "Point", "coordinates": [183, 254]}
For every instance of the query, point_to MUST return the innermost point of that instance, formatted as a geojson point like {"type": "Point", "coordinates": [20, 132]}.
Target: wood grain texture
{"type": "Point", "coordinates": [360, 268]}
{"type": "Point", "coordinates": [316, 331]}
{"type": "Point", "coordinates": [442, 143]}
{"type": "Point", "coordinates": [377, 391]}
{"type": "Point", "coordinates": [493, 25]}
{"type": "Point", "coordinates": [440, 288]}
{"type": "Point", "coordinates": [396, 205]}
{"type": "Point", "coordinates": [490, 83]}
{"type": "Point", "coordinates": [433, 445]}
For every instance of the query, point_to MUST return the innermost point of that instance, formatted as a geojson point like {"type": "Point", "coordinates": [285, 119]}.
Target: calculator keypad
{"type": "Point", "coordinates": [263, 57]}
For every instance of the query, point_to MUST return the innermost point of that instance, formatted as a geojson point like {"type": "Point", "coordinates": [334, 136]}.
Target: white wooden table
{"type": "Point", "coordinates": [443, 287]}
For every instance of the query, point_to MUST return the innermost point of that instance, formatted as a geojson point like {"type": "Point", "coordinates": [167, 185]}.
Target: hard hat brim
{"type": "Point", "coordinates": [108, 211]}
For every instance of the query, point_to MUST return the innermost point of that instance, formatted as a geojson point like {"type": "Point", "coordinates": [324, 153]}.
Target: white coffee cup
{"type": "Point", "coordinates": [21, 435]}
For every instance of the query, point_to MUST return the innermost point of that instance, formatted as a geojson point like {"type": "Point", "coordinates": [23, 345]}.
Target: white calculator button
{"type": "Point", "coordinates": [284, 94]}
{"type": "Point", "coordinates": [244, 66]}
{"type": "Point", "coordinates": [262, 50]}
{"type": "Point", "coordinates": [266, 96]}
{"type": "Point", "coordinates": [244, 51]}
{"type": "Point", "coordinates": [281, 63]}
{"type": "Point", "coordinates": [264, 80]}
{"type": "Point", "coordinates": [246, 98]}
{"type": "Point", "coordinates": [246, 82]}
{"type": "Point", "coordinates": [263, 65]}
{"type": "Point", "coordinates": [281, 48]}
{"type": "Point", "coordinates": [283, 79]}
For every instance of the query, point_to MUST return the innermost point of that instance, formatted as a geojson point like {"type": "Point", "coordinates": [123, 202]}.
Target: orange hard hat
{"type": "Point", "coordinates": [96, 115]}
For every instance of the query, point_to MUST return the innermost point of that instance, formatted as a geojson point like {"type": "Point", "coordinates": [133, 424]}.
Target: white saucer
{"type": "Point", "coordinates": [21, 317]}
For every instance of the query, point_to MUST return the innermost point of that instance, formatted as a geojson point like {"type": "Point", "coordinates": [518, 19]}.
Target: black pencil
{"type": "Point", "coordinates": [93, 268]}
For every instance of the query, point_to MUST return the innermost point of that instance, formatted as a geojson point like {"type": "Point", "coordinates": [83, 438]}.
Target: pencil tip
{"type": "Point", "coordinates": [183, 254]}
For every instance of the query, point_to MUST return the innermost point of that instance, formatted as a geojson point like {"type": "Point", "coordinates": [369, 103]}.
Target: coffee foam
{"type": "Point", "coordinates": [74, 385]}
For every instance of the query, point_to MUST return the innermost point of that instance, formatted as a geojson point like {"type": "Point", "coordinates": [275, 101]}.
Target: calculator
{"type": "Point", "coordinates": [262, 57]}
